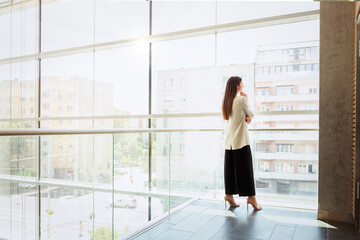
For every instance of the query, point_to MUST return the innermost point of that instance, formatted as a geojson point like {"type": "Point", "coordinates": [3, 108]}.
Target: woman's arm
{"type": "Point", "coordinates": [246, 107]}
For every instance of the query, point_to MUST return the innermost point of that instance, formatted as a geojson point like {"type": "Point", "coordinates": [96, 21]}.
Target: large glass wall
{"type": "Point", "coordinates": [94, 65]}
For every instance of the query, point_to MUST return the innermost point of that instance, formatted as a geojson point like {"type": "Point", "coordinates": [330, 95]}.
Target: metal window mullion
{"type": "Point", "coordinates": [38, 119]}
{"type": "Point", "coordinates": [150, 111]}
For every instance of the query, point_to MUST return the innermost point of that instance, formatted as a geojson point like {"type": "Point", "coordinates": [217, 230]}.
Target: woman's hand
{"type": "Point", "coordinates": [243, 94]}
{"type": "Point", "coordinates": [247, 119]}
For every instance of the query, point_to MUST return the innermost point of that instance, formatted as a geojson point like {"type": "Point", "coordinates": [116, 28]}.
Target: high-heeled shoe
{"type": "Point", "coordinates": [231, 202]}
{"type": "Point", "coordinates": [256, 208]}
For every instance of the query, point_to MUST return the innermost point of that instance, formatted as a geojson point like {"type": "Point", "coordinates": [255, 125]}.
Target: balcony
{"type": "Point", "coordinates": [287, 77]}
{"type": "Point", "coordinates": [287, 156]}
{"type": "Point", "coordinates": [288, 136]}
{"type": "Point", "coordinates": [287, 98]}
{"type": "Point", "coordinates": [287, 176]}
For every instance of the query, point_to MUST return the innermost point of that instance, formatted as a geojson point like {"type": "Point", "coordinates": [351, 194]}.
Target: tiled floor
{"type": "Point", "coordinates": [210, 220]}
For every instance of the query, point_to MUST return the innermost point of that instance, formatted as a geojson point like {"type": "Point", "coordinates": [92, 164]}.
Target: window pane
{"type": "Point", "coordinates": [76, 27]}
{"type": "Point", "coordinates": [67, 86]}
{"type": "Point", "coordinates": [116, 20]}
{"type": "Point", "coordinates": [122, 80]}
{"type": "Point", "coordinates": [228, 11]}
{"type": "Point", "coordinates": [182, 69]}
{"type": "Point", "coordinates": [19, 30]}
{"type": "Point", "coordinates": [171, 16]}
{"type": "Point", "coordinates": [5, 29]}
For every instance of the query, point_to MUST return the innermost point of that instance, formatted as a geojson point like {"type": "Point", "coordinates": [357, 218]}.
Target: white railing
{"type": "Point", "coordinates": [287, 156]}
{"type": "Point", "coordinates": [287, 176]}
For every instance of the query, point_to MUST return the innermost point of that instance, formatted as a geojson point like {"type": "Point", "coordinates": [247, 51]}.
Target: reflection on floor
{"type": "Point", "coordinates": [210, 220]}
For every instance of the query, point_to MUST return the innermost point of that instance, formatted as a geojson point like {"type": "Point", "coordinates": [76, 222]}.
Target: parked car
{"type": "Point", "coordinates": [26, 185]}
{"type": "Point", "coordinates": [125, 202]}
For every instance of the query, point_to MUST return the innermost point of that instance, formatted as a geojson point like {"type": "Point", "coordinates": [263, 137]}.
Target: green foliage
{"type": "Point", "coordinates": [102, 233]}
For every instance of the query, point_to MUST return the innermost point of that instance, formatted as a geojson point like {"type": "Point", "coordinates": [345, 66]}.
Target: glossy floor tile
{"type": "Point", "coordinates": [211, 220]}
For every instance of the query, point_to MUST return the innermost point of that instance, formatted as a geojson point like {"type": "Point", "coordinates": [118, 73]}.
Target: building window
{"type": "Point", "coordinates": [278, 69]}
{"type": "Point", "coordinates": [262, 183]}
{"type": "Point", "coordinates": [263, 108]}
{"type": "Point", "coordinates": [285, 90]}
{"type": "Point", "coordinates": [290, 168]}
{"type": "Point", "coordinates": [302, 67]}
{"type": "Point", "coordinates": [272, 70]}
{"type": "Point", "coordinates": [182, 83]}
{"type": "Point", "coordinates": [285, 107]}
{"type": "Point", "coordinates": [296, 68]}
{"type": "Point", "coordinates": [307, 168]}
{"type": "Point", "coordinates": [308, 67]}
{"type": "Point", "coordinates": [168, 83]}
{"type": "Point", "coordinates": [307, 52]}
{"type": "Point", "coordinates": [315, 67]}
{"type": "Point", "coordinates": [263, 166]}
{"type": "Point", "coordinates": [280, 167]}
{"type": "Point", "coordinates": [312, 90]}
{"type": "Point", "coordinates": [263, 147]}
{"type": "Point", "coordinates": [183, 99]}
{"type": "Point", "coordinates": [285, 148]}
{"type": "Point", "coordinates": [45, 106]}
{"type": "Point", "coordinates": [263, 91]}
{"type": "Point", "coordinates": [285, 167]}
{"type": "Point", "coordinates": [266, 70]}
{"type": "Point", "coordinates": [168, 100]}
{"type": "Point", "coordinates": [314, 52]}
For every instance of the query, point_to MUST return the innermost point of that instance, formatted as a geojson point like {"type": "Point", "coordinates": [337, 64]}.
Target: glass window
{"type": "Point", "coordinates": [76, 71]}
{"type": "Point", "coordinates": [263, 91]}
{"type": "Point", "coordinates": [188, 59]}
{"type": "Point", "coordinates": [285, 148]}
{"type": "Point", "coordinates": [315, 67]}
{"type": "Point", "coordinates": [308, 67]}
{"type": "Point", "coordinates": [263, 147]}
{"type": "Point", "coordinates": [121, 85]}
{"type": "Point", "coordinates": [285, 90]}
{"type": "Point", "coordinates": [116, 20]}
{"type": "Point", "coordinates": [55, 33]}
{"type": "Point", "coordinates": [228, 11]}
{"type": "Point", "coordinates": [171, 16]}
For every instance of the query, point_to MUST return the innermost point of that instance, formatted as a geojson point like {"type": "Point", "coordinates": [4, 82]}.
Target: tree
{"type": "Point", "coordinates": [102, 233]}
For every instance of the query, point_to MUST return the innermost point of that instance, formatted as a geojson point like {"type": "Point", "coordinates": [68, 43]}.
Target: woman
{"type": "Point", "coordinates": [238, 170]}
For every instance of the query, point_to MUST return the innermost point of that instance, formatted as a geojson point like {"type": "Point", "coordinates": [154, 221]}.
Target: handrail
{"type": "Point", "coordinates": [27, 131]}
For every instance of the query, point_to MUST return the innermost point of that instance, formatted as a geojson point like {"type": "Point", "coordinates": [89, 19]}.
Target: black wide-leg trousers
{"type": "Point", "coordinates": [238, 172]}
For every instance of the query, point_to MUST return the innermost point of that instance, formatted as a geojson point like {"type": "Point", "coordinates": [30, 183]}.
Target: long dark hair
{"type": "Point", "coordinates": [230, 94]}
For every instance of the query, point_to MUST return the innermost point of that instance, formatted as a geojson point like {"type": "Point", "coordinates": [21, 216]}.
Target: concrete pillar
{"type": "Point", "coordinates": [337, 29]}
